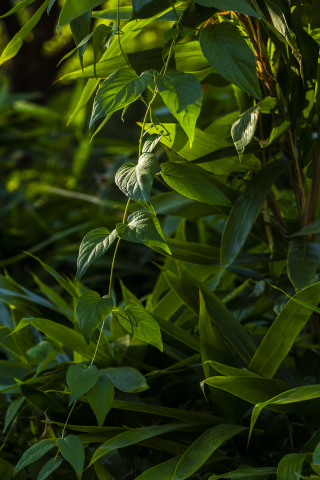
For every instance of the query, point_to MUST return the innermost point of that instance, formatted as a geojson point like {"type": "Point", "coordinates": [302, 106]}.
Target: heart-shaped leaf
{"type": "Point", "coordinates": [81, 380]}
{"type": "Point", "coordinates": [93, 245]}
{"type": "Point", "coordinates": [91, 310]}
{"type": "Point", "coordinates": [136, 320]}
{"type": "Point", "coordinates": [126, 379]}
{"type": "Point", "coordinates": [143, 227]}
{"type": "Point", "coordinates": [101, 397]}
{"type": "Point", "coordinates": [227, 51]}
{"type": "Point", "coordinates": [182, 94]}
{"type": "Point", "coordinates": [72, 450]}
{"type": "Point", "coordinates": [119, 90]}
{"type": "Point", "coordinates": [136, 181]}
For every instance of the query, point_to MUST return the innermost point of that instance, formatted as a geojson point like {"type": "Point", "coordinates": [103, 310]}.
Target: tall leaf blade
{"type": "Point", "coordinates": [303, 261]}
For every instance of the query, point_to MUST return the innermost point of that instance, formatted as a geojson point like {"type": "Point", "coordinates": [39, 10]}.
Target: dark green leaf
{"type": "Point", "coordinates": [280, 126]}
{"type": "Point", "coordinates": [49, 468]}
{"type": "Point", "coordinates": [136, 181]}
{"type": "Point", "coordinates": [244, 472]}
{"type": "Point", "coordinates": [92, 310]}
{"type": "Point", "coordinates": [290, 466]}
{"type": "Point", "coordinates": [193, 182]}
{"type": "Point", "coordinates": [303, 261]}
{"type": "Point", "coordinates": [119, 90]}
{"type": "Point", "coordinates": [102, 472]}
{"type": "Point", "coordinates": [226, 50]}
{"type": "Point", "coordinates": [240, 6]}
{"type": "Point", "coordinates": [81, 380]}
{"type": "Point", "coordinates": [143, 227]}
{"type": "Point", "coordinates": [101, 397]}
{"type": "Point", "coordinates": [136, 320]}
{"type": "Point", "coordinates": [12, 411]}
{"type": "Point", "coordinates": [163, 471]}
{"type": "Point", "coordinates": [80, 28]}
{"type": "Point", "coordinates": [93, 245]}
{"type": "Point", "coordinates": [313, 227]}
{"type": "Point", "coordinates": [126, 379]}
{"type": "Point", "coordinates": [17, 8]}
{"type": "Point", "coordinates": [33, 454]}
{"type": "Point", "coordinates": [74, 8]}
{"type": "Point", "coordinates": [182, 94]}
{"type": "Point", "coordinates": [148, 8]}
{"type": "Point", "coordinates": [99, 36]}
{"type": "Point", "coordinates": [245, 211]}
{"type": "Point", "coordinates": [72, 450]}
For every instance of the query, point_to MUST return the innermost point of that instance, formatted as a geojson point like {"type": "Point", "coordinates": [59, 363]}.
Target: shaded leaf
{"type": "Point", "coordinates": [80, 28]}
{"type": "Point", "coordinates": [74, 8]}
{"type": "Point", "coordinates": [313, 227]}
{"type": "Point", "coordinates": [81, 380]}
{"type": "Point", "coordinates": [91, 311]}
{"type": "Point", "coordinates": [49, 468]}
{"type": "Point", "coordinates": [163, 471]}
{"type": "Point", "coordinates": [303, 261]}
{"type": "Point", "coordinates": [244, 471]}
{"type": "Point", "coordinates": [72, 450]}
{"type": "Point", "coordinates": [126, 379]}
{"type": "Point", "coordinates": [12, 411]}
{"type": "Point", "coordinates": [279, 127]}
{"type": "Point", "coordinates": [101, 397]}
{"type": "Point", "coordinates": [33, 454]}
{"type": "Point", "coordinates": [290, 466]}
{"type": "Point", "coordinates": [240, 6]}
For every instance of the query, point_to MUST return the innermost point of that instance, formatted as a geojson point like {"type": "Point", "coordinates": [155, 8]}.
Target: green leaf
{"type": "Point", "coordinates": [313, 227]}
{"type": "Point", "coordinates": [163, 471]}
{"type": "Point", "coordinates": [279, 127]}
{"type": "Point", "coordinates": [182, 94]}
{"type": "Point", "coordinates": [303, 261]}
{"type": "Point", "coordinates": [143, 227]}
{"type": "Point", "coordinates": [80, 28]}
{"type": "Point", "coordinates": [243, 472]}
{"type": "Point", "coordinates": [49, 468]}
{"type": "Point", "coordinates": [91, 310]}
{"type": "Point", "coordinates": [193, 182]}
{"type": "Point", "coordinates": [33, 454]}
{"type": "Point", "coordinates": [227, 51]}
{"type": "Point", "coordinates": [136, 181]}
{"type": "Point", "coordinates": [72, 450]}
{"type": "Point", "coordinates": [99, 36]}
{"type": "Point", "coordinates": [246, 209]}
{"type": "Point", "coordinates": [284, 330]}
{"type": "Point", "coordinates": [134, 436]}
{"type": "Point", "coordinates": [148, 8]}
{"type": "Point", "coordinates": [18, 7]}
{"type": "Point", "coordinates": [290, 466]}
{"type": "Point", "coordinates": [151, 143]}
{"type": "Point", "coordinates": [136, 320]}
{"type": "Point", "coordinates": [41, 400]}
{"type": "Point", "coordinates": [231, 371]}
{"type": "Point", "coordinates": [81, 380]}
{"type": "Point", "coordinates": [101, 472]}
{"type": "Point", "coordinates": [119, 90]}
{"type": "Point", "coordinates": [299, 394]}
{"type": "Point", "coordinates": [93, 245]}
{"type": "Point", "coordinates": [15, 44]}
{"type": "Point", "coordinates": [74, 8]}
{"type": "Point", "coordinates": [201, 450]}
{"type": "Point", "coordinates": [12, 411]}
{"type": "Point", "coordinates": [126, 379]}
{"type": "Point", "coordinates": [240, 6]}
{"type": "Point", "coordinates": [101, 397]}
{"type": "Point", "coordinates": [243, 129]}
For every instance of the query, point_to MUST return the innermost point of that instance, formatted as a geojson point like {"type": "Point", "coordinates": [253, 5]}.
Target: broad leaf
{"type": "Point", "coordinates": [33, 454]}
{"type": "Point", "coordinates": [93, 245]}
{"type": "Point", "coordinates": [284, 330]}
{"type": "Point", "coordinates": [136, 181]}
{"type": "Point", "coordinates": [49, 468]}
{"type": "Point", "coordinates": [119, 90]}
{"type": "Point", "coordinates": [101, 397]}
{"type": "Point", "coordinates": [227, 51]}
{"type": "Point", "coordinates": [81, 380]}
{"type": "Point", "coordinates": [134, 436]}
{"type": "Point", "coordinates": [92, 310]}
{"type": "Point", "coordinates": [74, 8]}
{"type": "Point", "coordinates": [126, 379]}
{"type": "Point", "coordinates": [245, 211]}
{"type": "Point", "coordinates": [193, 182]}
{"type": "Point", "coordinates": [240, 6]}
{"type": "Point", "coordinates": [15, 44]}
{"type": "Point", "coordinates": [151, 143]}
{"type": "Point", "coordinates": [72, 450]}
{"type": "Point", "coordinates": [182, 94]}
{"type": "Point", "coordinates": [136, 320]}
{"type": "Point", "coordinates": [290, 466]}
{"type": "Point", "coordinates": [201, 450]}
{"type": "Point", "coordinates": [303, 261]}
{"type": "Point", "coordinates": [143, 227]}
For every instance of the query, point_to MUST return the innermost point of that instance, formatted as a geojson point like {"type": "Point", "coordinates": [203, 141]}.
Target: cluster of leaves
{"type": "Point", "coordinates": [224, 348]}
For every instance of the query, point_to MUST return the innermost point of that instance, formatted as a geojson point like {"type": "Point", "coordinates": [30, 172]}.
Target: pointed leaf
{"type": "Point", "coordinates": [93, 245]}
{"type": "Point", "coordinates": [243, 472]}
{"type": "Point", "coordinates": [91, 310]}
{"type": "Point", "coordinates": [119, 90]}
{"type": "Point", "coordinates": [143, 227]}
{"type": "Point", "coordinates": [81, 380]}
{"type": "Point", "coordinates": [151, 143]}
{"type": "Point", "coordinates": [99, 35]}
{"type": "Point", "coordinates": [72, 450]}
{"type": "Point", "coordinates": [193, 182]}
{"type": "Point", "coordinates": [227, 51]}
{"type": "Point", "coordinates": [284, 330]}
{"type": "Point", "coordinates": [33, 454]}
{"type": "Point", "coordinates": [80, 28]}
{"type": "Point", "coordinates": [136, 320]}
{"type": "Point", "coordinates": [243, 129]}
{"type": "Point", "coordinates": [136, 181]}
{"type": "Point", "coordinates": [182, 94]}
{"type": "Point", "coordinates": [240, 6]}
{"type": "Point", "coordinates": [101, 397]}
{"type": "Point", "coordinates": [49, 468]}
{"type": "Point", "coordinates": [245, 211]}
{"type": "Point", "coordinates": [280, 126]}
{"type": "Point", "coordinates": [290, 466]}
{"type": "Point", "coordinates": [12, 411]}
{"type": "Point", "coordinates": [303, 261]}
{"type": "Point", "coordinates": [201, 450]}
{"type": "Point", "coordinates": [126, 379]}
{"type": "Point", "coordinates": [18, 7]}
{"type": "Point", "coordinates": [313, 227]}
{"type": "Point", "coordinates": [163, 471]}
{"type": "Point", "coordinates": [74, 8]}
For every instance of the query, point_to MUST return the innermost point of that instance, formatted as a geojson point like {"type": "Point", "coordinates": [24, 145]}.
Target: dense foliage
{"type": "Point", "coordinates": [159, 310]}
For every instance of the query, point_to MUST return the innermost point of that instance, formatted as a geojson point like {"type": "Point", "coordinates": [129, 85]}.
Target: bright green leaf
{"type": "Point", "coordinates": [74, 8]}
{"type": "Point", "coordinates": [91, 311]}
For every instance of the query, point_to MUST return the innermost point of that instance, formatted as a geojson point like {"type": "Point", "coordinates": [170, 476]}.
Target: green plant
{"type": "Point", "coordinates": [215, 368]}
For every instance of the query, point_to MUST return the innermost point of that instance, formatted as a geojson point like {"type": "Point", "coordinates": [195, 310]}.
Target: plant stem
{"type": "Point", "coordinates": [297, 180]}
{"type": "Point", "coordinates": [65, 425]}
{"type": "Point", "coordinates": [314, 190]}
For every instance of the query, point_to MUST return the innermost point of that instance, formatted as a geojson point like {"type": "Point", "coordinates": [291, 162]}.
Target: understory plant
{"type": "Point", "coordinates": [210, 371]}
